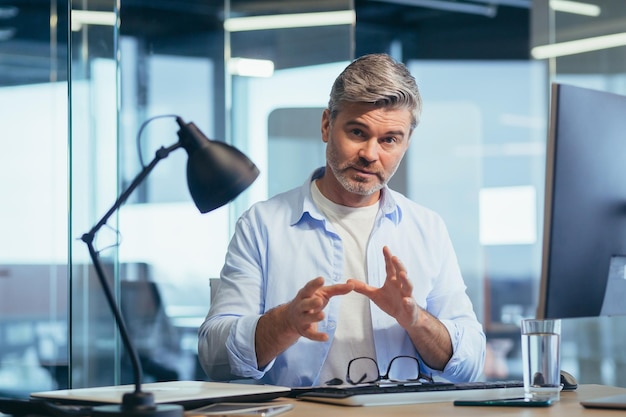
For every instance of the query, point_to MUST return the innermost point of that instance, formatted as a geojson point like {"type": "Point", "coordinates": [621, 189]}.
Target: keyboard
{"type": "Point", "coordinates": [395, 394]}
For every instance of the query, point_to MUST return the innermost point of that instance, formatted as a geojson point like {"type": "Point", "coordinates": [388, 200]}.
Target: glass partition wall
{"type": "Point", "coordinates": [139, 62]}
{"type": "Point", "coordinates": [34, 209]}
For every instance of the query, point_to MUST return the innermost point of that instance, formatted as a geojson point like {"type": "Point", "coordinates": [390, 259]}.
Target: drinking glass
{"type": "Point", "coordinates": [541, 340]}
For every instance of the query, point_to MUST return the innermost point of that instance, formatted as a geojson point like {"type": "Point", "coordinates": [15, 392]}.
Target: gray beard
{"type": "Point", "coordinates": [354, 186]}
{"type": "Point", "coordinates": [351, 185]}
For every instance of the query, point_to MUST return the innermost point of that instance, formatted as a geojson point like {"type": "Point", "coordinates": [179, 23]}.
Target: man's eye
{"type": "Point", "coordinates": [357, 132]}
{"type": "Point", "coordinates": [389, 139]}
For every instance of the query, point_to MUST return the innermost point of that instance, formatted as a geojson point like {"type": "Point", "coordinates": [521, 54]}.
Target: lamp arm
{"type": "Point", "coordinates": [160, 154]}
{"type": "Point", "coordinates": [88, 238]}
{"type": "Point", "coordinates": [134, 357]}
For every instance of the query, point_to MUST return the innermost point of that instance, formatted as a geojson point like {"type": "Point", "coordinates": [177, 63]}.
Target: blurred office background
{"type": "Point", "coordinates": [78, 78]}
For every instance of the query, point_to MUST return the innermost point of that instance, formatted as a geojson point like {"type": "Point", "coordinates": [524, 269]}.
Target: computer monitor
{"type": "Point", "coordinates": [585, 205]}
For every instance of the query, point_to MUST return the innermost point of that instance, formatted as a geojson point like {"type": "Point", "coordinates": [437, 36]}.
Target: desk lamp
{"type": "Point", "coordinates": [216, 174]}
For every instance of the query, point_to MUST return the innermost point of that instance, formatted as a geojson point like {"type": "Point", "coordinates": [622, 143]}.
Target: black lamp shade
{"type": "Point", "coordinates": [216, 171]}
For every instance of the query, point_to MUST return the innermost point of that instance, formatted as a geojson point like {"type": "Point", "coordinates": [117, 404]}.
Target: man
{"type": "Point", "coordinates": [344, 267]}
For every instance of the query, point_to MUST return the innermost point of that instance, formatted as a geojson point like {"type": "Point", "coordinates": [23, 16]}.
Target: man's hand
{"type": "Point", "coordinates": [395, 296]}
{"type": "Point", "coordinates": [429, 336]}
{"type": "Point", "coordinates": [305, 310]}
{"type": "Point", "coordinates": [282, 326]}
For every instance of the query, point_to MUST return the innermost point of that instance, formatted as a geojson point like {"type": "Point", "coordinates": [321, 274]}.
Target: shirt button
{"type": "Point", "coordinates": [331, 325]}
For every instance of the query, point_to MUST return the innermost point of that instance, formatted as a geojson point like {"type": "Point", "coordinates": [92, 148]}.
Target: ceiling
{"type": "Point", "coordinates": [30, 52]}
{"type": "Point", "coordinates": [428, 30]}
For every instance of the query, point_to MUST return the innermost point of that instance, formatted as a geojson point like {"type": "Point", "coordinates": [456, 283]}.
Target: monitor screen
{"type": "Point", "coordinates": [584, 238]}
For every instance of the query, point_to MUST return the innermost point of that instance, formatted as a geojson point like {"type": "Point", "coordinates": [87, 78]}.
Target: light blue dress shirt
{"type": "Point", "coordinates": [282, 243]}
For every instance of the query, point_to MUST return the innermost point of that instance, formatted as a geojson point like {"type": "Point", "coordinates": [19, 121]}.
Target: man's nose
{"type": "Point", "coordinates": [369, 150]}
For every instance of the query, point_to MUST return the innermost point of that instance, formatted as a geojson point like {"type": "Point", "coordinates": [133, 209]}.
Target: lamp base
{"type": "Point", "coordinates": [161, 410]}
{"type": "Point", "coordinates": [140, 404]}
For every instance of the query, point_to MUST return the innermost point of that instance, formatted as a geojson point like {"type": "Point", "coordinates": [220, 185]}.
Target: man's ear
{"type": "Point", "coordinates": [325, 125]}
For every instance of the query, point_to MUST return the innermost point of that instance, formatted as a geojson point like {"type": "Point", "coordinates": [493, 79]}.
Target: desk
{"type": "Point", "coordinates": [568, 406]}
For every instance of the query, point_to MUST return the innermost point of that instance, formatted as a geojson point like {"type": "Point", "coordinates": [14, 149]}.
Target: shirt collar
{"type": "Point", "coordinates": [307, 208]}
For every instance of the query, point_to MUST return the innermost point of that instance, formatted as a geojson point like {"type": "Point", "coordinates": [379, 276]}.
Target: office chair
{"type": "Point", "coordinates": [153, 335]}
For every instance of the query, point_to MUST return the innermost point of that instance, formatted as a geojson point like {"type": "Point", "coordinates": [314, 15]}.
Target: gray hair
{"type": "Point", "coordinates": [380, 80]}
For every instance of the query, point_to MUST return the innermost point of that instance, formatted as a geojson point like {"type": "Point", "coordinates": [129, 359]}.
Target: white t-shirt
{"type": "Point", "coordinates": [353, 336]}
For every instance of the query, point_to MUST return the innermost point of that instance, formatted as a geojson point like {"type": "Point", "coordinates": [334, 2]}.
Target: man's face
{"type": "Point", "coordinates": [365, 145]}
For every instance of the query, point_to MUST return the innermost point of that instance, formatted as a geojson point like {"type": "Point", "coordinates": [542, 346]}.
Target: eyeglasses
{"type": "Point", "coordinates": [365, 370]}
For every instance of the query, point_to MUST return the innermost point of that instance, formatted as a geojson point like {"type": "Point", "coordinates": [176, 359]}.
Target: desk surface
{"type": "Point", "coordinates": [568, 406]}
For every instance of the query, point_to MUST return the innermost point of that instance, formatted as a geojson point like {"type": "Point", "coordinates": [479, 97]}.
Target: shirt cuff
{"type": "Point", "coordinates": [454, 362]}
{"type": "Point", "coordinates": [241, 349]}
{"type": "Point", "coordinates": [468, 353]}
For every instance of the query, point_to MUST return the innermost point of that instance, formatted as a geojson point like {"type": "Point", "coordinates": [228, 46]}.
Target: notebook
{"type": "Point", "coordinates": [189, 394]}
{"type": "Point", "coordinates": [617, 402]}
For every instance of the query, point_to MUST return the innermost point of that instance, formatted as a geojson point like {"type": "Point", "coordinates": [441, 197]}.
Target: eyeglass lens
{"type": "Point", "coordinates": [403, 368]}
{"type": "Point", "coordinates": [365, 370]}
{"type": "Point", "coordinates": [362, 370]}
